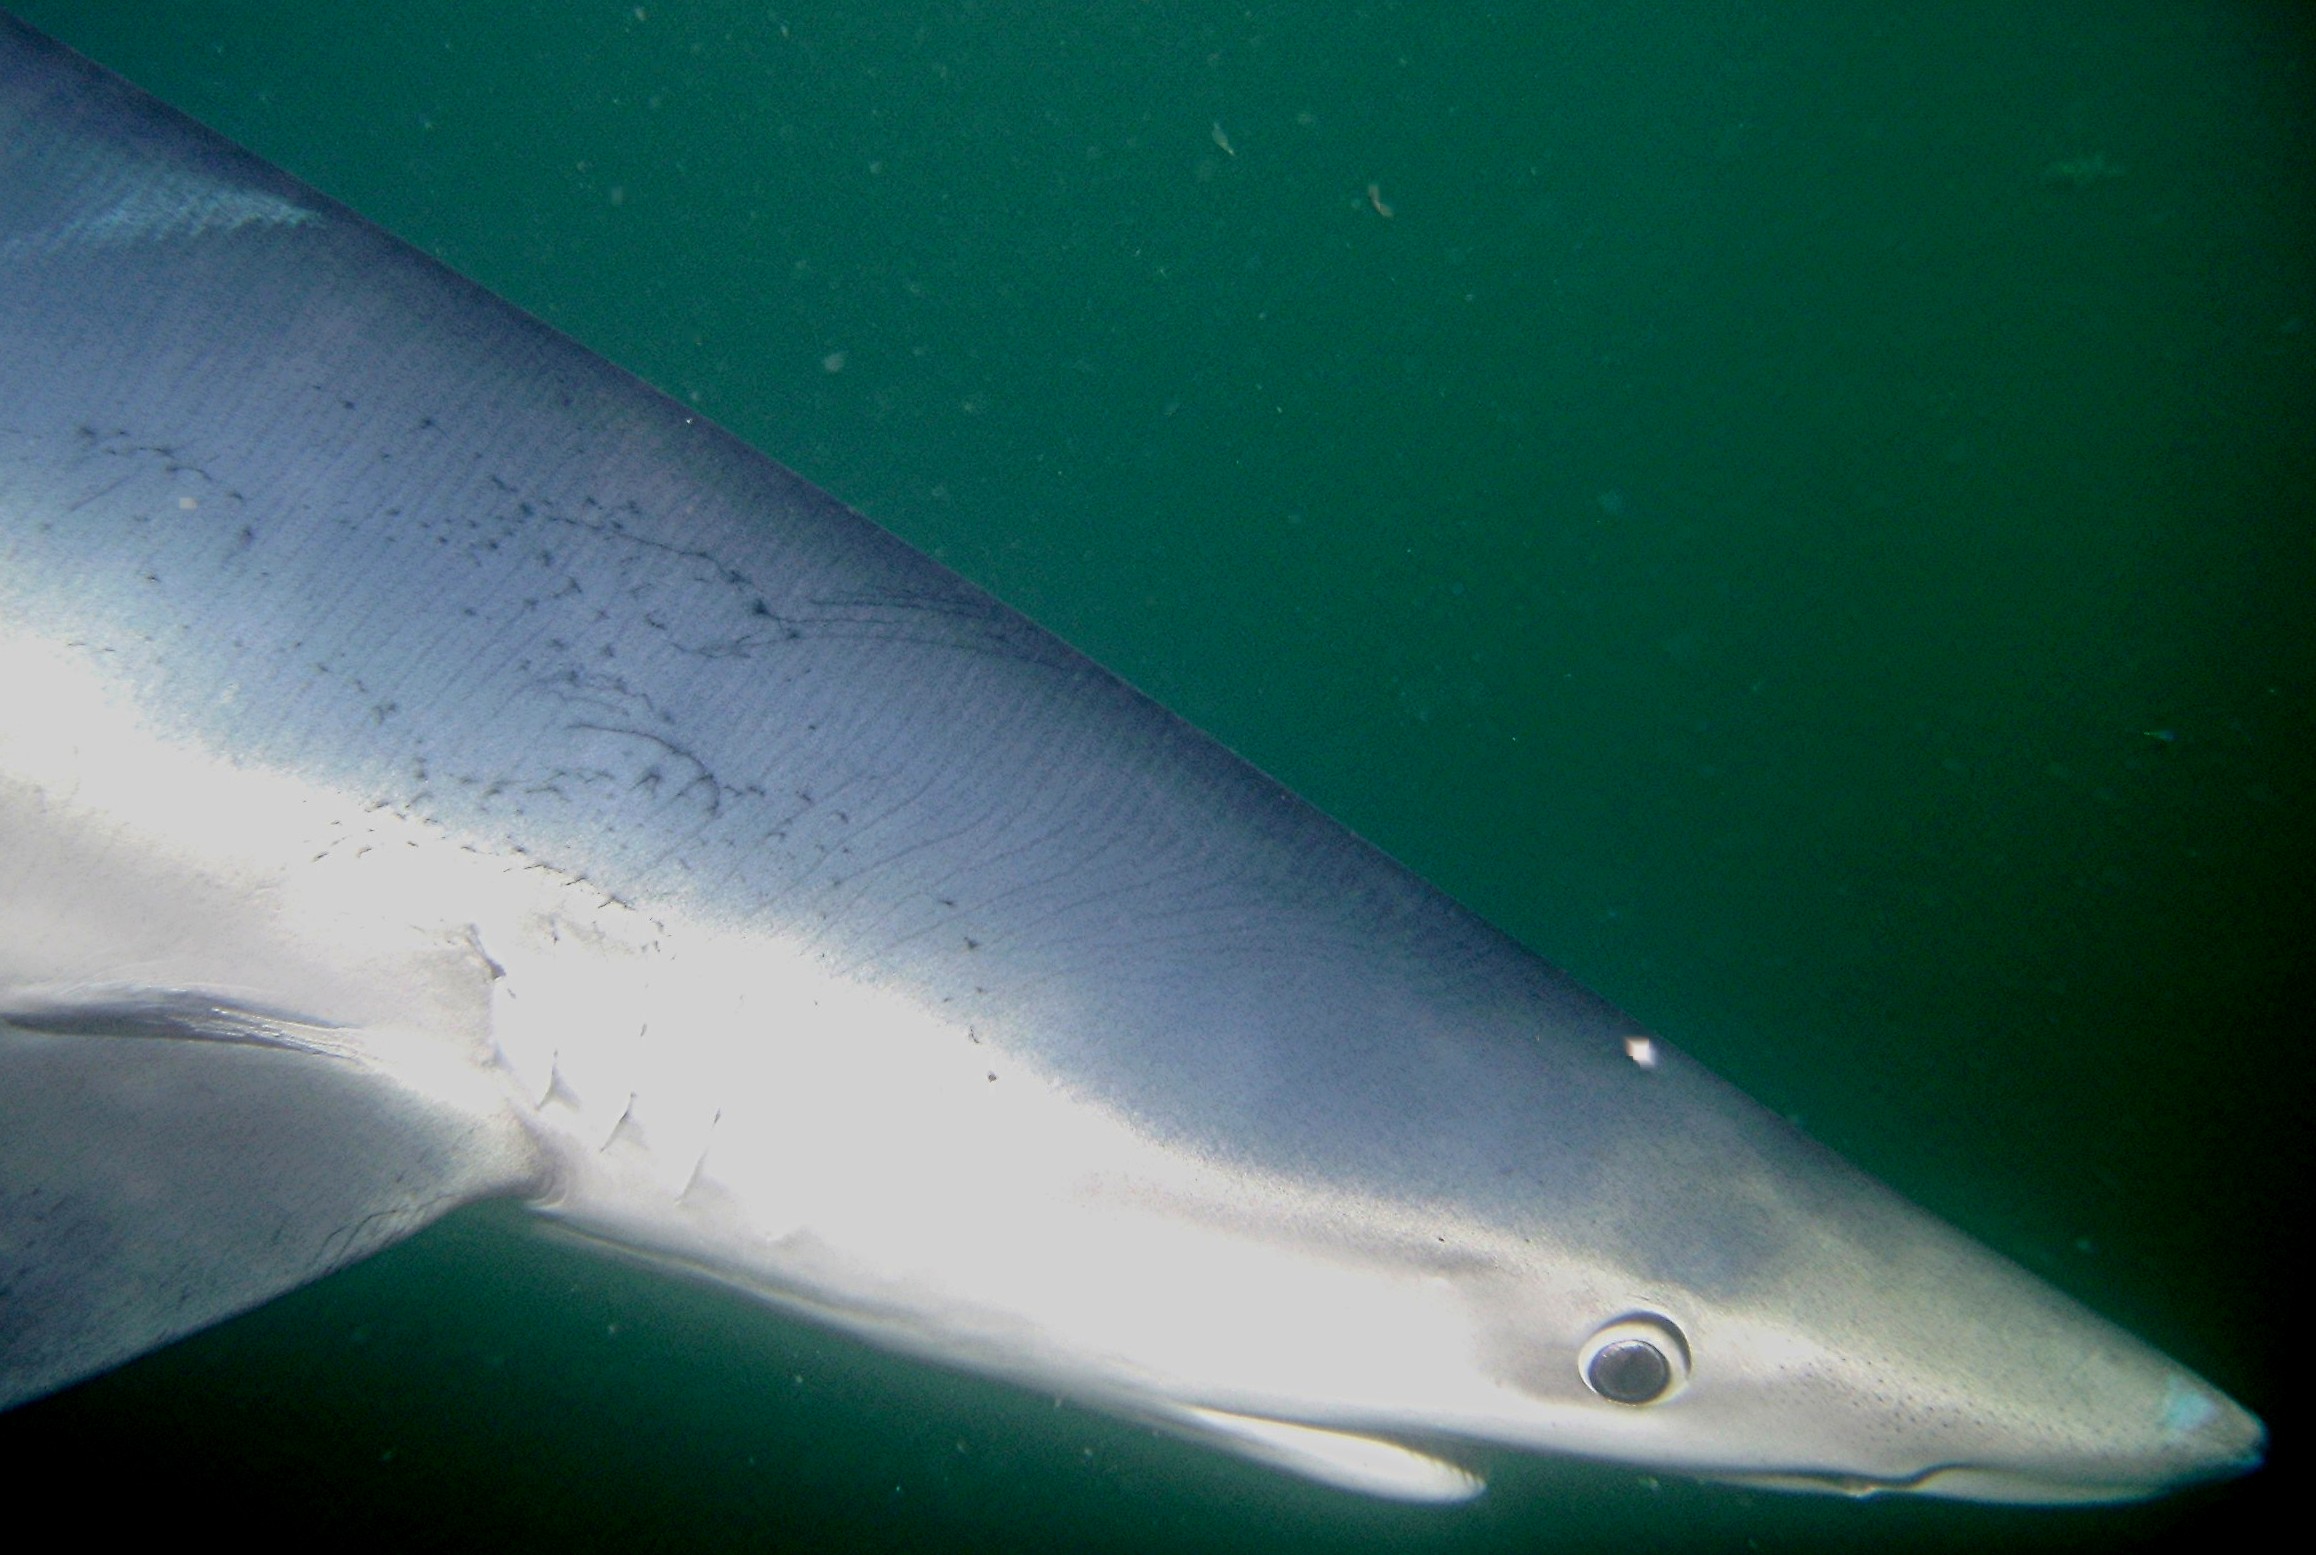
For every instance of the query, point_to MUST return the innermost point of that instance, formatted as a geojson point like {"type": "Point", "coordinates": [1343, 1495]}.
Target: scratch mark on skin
{"type": "Point", "coordinates": [381, 1228]}
{"type": "Point", "coordinates": [703, 777]}
{"type": "Point", "coordinates": [870, 617]}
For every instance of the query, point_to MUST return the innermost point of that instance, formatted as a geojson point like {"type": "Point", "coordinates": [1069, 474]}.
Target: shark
{"type": "Point", "coordinates": [437, 767]}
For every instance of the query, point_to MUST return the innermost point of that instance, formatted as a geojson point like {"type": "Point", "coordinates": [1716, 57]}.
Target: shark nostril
{"type": "Point", "coordinates": [2187, 1408]}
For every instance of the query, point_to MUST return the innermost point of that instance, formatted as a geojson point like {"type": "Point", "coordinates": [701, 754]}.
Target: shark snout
{"type": "Point", "coordinates": [2209, 1437]}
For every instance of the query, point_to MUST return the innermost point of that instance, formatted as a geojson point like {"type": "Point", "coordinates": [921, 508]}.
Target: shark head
{"type": "Point", "coordinates": [1774, 1316]}
{"type": "Point", "coordinates": [1679, 1281]}
{"type": "Point", "coordinates": [1732, 1301]}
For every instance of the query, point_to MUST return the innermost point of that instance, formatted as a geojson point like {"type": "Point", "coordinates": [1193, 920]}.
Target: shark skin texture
{"type": "Point", "coordinates": [435, 766]}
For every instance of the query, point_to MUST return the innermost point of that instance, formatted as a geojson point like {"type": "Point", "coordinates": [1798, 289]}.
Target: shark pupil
{"type": "Point", "coordinates": [1630, 1371]}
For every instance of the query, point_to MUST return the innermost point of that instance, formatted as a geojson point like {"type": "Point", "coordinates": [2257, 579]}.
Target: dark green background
{"type": "Point", "coordinates": [1800, 512]}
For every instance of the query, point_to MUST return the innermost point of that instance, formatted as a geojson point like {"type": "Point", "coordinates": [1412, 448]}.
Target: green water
{"type": "Point", "coordinates": [1801, 513]}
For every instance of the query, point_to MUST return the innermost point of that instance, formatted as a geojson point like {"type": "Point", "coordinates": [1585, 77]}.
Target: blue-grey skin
{"type": "Point", "coordinates": [322, 511]}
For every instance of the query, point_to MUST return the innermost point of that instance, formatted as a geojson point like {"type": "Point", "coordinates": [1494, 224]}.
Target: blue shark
{"type": "Point", "coordinates": [436, 767]}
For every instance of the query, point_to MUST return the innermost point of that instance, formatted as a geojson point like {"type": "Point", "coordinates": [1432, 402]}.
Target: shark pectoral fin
{"type": "Point", "coordinates": [1368, 1464]}
{"type": "Point", "coordinates": [168, 1161]}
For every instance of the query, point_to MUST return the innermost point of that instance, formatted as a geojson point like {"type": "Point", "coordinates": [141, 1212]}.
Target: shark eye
{"type": "Point", "coordinates": [1638, 1359]}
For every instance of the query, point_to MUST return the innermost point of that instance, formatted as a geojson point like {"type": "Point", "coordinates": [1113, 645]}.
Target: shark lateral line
{"type": "Point", "coordinates": [434, 766]}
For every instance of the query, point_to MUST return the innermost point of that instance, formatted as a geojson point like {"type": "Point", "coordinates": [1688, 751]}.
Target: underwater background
{"type": "Point", "coordinates": [1805, 514]}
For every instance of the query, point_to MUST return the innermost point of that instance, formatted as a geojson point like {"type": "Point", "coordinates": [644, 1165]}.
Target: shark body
{"type": "Point", "coordinates": [435, 766]}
